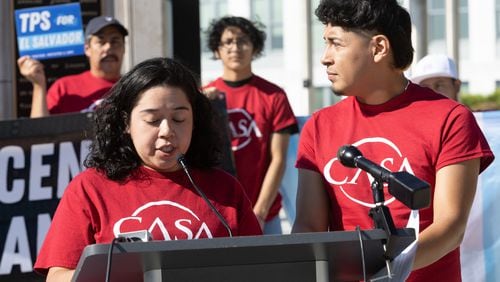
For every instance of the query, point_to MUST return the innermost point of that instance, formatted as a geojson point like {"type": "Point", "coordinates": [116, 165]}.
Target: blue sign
{"type": "Point", "coordinates": [50, 32]}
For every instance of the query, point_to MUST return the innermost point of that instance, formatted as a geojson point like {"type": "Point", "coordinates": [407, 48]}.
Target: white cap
{"type": "Point", "coordinates": [434, 66]}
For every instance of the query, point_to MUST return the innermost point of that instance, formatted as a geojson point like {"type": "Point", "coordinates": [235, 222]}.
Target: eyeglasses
{"type": "Point", "coordinates": [241, 43]}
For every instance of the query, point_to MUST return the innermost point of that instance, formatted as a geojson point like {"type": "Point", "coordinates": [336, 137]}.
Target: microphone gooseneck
{"type": "Point", "coordinates": [182, 161]}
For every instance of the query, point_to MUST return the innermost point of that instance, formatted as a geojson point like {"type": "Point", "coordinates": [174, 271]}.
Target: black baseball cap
{"type": "Point", "coordinates": [98, 23]}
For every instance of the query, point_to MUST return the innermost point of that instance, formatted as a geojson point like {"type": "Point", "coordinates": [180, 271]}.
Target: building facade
{"type": "Point", "coordinates": [294, 42]}
{"type": "Point", "coordinates": [294, 45]}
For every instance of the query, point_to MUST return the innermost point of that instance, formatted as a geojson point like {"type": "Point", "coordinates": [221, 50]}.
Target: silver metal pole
{"type": "Point", "coordinates": [452, 32]}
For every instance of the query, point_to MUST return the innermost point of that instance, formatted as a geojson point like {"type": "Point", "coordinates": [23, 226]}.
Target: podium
{"type": "Point", "coordinates": [301, 257]}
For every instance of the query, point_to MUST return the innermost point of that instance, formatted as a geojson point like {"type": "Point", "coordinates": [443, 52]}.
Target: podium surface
{"type": "Point", "coordinates": [321, 256]}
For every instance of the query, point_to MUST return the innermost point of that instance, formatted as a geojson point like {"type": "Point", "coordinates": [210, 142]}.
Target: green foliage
{"type": "Point", "coordinates": [482, 102]}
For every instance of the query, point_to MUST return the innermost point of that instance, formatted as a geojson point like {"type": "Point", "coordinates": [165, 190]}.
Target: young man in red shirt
{"type": "Point", "coordinates": [261, 119]}
{"type": "Point", "coordinates": [395, 123]}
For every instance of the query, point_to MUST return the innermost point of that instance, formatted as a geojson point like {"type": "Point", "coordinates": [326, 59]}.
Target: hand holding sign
{"type": "Point", "coordinates": [32, 69]}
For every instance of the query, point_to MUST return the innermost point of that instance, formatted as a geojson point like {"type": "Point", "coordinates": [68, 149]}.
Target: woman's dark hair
{"type": "Point", "coordinates": [252, 29]}
{"type": "Point", "coordinates": [385, 17]}
{"type": "Point", "coordinates": [112, 150]}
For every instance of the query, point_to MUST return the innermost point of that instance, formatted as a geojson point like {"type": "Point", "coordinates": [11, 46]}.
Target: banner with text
{"type": "Point", "coordinates": [38, 158]}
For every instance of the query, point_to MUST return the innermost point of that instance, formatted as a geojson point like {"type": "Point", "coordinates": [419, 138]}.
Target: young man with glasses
{"type": "Point", "coordinates": [104, 47]}
{"type": "Point", "coordinates": [260, 117]}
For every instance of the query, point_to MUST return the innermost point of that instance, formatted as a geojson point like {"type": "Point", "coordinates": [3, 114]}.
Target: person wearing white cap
{"type": "Point", "coordinates": [104, 47]}
{"type": "Point", "coordinates": [439, 73]}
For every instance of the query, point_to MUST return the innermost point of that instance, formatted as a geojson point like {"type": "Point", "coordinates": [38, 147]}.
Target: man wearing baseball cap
{"type": "Point", "coordinates": [439, 73]}
{"type": "Point", "coordinates": [104, 47]}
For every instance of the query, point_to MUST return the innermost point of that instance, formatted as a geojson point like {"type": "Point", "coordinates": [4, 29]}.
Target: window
{"type": "Point", "coordinates": [437, 19]}
{"type": "Point", "coordinates": [463, 18]}
{"type": "Point", "coordinates": [317, 28]}
{"type": "Point", "coordinates": [210, 10]}
{"type": "Point", "coordinates": [269, 13]}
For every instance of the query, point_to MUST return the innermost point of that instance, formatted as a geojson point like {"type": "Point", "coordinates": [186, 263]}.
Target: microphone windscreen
{"type": "Point", "coordinates": [346, 154]}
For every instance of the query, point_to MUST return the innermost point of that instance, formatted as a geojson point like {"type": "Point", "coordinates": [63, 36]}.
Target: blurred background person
{"type": "Point", "coordinates": [104, 48]}
{"type": "Point", "coordinates": [261, 119]}
{"type": "Point", "coordinates": [439, 73]}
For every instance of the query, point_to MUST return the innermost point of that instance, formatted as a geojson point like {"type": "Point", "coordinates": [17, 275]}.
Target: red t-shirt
{"type": "Point", "coordinates": [74, 93]}
{"type": "Point", "coordinates": [418, 131]}
{"type": "Point", "coordinates": [95, 209]}
{"type": "Point", "coordinates": [255, 111]}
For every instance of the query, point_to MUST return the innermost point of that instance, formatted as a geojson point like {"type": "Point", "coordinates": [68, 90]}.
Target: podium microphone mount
{"type": "Point", "coordinates": [405, 187]}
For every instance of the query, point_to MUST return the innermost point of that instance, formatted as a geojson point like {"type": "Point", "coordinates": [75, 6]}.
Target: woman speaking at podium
{"type": "Point", "coordinates": [151, 167]}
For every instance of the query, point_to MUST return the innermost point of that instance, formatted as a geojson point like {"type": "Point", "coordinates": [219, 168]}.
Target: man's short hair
{"type": "Point", "coordinates": [385, 17]}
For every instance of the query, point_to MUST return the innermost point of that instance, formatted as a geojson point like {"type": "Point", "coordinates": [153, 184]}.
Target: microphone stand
{"type": "Point", "coordinates": [380, 214]}
{"type": "Point", "coordinates": [382, 218]}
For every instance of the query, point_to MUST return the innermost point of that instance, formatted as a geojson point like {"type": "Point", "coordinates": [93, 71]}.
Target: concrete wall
{"type": "Point", "coordinates": [149, 29]}
{"type": "Point", "coordinates": [7, 62]}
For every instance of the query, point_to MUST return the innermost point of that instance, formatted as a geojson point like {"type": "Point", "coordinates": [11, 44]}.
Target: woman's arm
{"type": "Point", "coordinates": [60, 274]}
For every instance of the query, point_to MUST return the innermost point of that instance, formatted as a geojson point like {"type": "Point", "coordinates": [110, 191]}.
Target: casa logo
{"type": "Point", "coordinates": [243, 128]}
{"type": "Point", "coordinates": [165, 220]}
{"type": "Point", "coordinates": [349, 180]}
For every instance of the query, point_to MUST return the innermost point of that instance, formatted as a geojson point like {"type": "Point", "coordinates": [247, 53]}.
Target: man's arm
{"type": "Point", "coordinates": [313, 205]}
{"type": "Point", "coordinates": [33, 71]}
{"type": "Point", "coordinates": [453, 196]}
{"type": "Point", "coordinates": [274, 175]}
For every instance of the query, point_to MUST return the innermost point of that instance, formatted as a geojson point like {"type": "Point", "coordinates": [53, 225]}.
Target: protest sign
{"type": "Point", "coordinates": [50, 31]}
{"type": "Point", "coordinates": [54, 67]}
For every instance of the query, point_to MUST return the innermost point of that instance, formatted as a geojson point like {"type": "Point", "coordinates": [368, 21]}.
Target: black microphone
{"type": "Point", "coordinates": [350, 156]}
{"type": "Point", "coordinates": [182, 162]}
{"type": "Point", "coordinates": [407, 188]}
